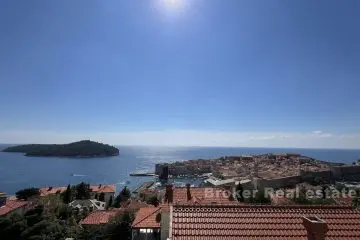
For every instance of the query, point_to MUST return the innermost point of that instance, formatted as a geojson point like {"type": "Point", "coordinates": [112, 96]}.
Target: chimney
{"type": "Point", "coordinates": [50, 188]}
{"type": "Point", "coordinates": [188, 193]}
{"type": "Point", "coordinates": [316, 228]}
{"type": "Point", "coordinates": [169, 193]}
{"type": "Point", "coordinates": [2, 199]}
{"type": "Point", "coordinates": [99, 186]}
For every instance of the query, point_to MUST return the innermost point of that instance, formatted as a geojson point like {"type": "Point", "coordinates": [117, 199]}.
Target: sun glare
{"type": "Point", "coordinates": [173, 4]}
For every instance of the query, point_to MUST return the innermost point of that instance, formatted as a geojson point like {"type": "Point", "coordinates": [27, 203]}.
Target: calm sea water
{"type": "Point", "coordinates": [18, 171]}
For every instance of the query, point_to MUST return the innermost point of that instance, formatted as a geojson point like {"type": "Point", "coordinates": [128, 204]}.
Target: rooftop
{"type": "Point", "coordinates": [146, 218]}
{"type": "Point", "coordinates": [11, 205]}
{"type": "Point", "coordinates": [105, 188]}
{"type": "Point", "coordinates": [260, 222]}
{"type": "Point", "coordinates": [100, 217]}
{"type": "Point", "coordinates": [103, 217]}
{"type": "Point", "coordinates": [201, 196]}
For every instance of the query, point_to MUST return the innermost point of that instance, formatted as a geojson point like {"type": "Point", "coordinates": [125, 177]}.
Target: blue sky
{"type": "Point", "coordinates": [149, 72]}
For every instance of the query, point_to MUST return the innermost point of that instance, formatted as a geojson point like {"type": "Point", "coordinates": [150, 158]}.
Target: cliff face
{"type": "Point", "coordinates": [83, 148]}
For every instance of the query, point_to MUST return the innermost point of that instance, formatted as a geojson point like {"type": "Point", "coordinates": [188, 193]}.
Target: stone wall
{"type": "Point", "coordinates": [345, 172]}
{"type": "Point", "coordinates": [277, 182]}
{"type": "Point", "coordinates": [312, 176]}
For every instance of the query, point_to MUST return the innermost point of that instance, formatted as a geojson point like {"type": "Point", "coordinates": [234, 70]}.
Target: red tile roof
{"type": "Point", "coordinates": [51, 190]}
{"type": "Point", "coordinates": [146, 218]}
{"type": "Point", "coordinates": [12, 205]}
{"type": "Point", "coordinates": [107, 188]}
{"type": "Point", "coordinates": [201, 196]}
{"type": "Point", "coordinates": [260, 222]}
{"type": "Point", "coordinates": [100, 217]}
{"type": "Point", "coordinates": [103, 217]}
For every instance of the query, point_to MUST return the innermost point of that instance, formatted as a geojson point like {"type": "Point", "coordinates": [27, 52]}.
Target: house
{"type": "Point", "coordinates": [246, 222]}
{"type": "Point", "coordinates": [107, 189]}
{"type": "Point", "coordinates": [186, 195]}
{"type": "Point", "coordinates": [100, 217]}
{"type": "Point", "coordinates": [151, 223]}
{"type": "Point", "coordinates": [103, 217]}
{"type": "Point", "coordinates": [9, 207]}
{"type": "Point", "coordinates": [91, 204]}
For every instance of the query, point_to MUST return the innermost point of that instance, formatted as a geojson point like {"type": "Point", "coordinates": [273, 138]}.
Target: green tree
{"type": "Point", "coordinates": [65, 212]}
{"type": "Point", "coordinates": [261, 198]}
{"type": "Point", "coordinates": [67, 195]}
{"type": "Point", "coordinates": [27, 193]}
{"type": "Point", "coordinates": [83, 191]}
{"type": "Point", "coordinates": [356, 200]}
{"type": "Point", "coordinates": [120, 226]}
{"type": "Point", "coordinates": [239, 192]}
{"type": "Point", "coordinates": [301, 199]}
{"type": "Point", "coordinates": [12, 227]}
{"type": "Point", "coordinates": [153, 200]}
{"type": "Point", "coordinates": [123, 196]}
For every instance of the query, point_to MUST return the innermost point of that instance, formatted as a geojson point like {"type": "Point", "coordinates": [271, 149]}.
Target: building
{"type": "Point", "coordinates": [9, 207]}
{"type": "Point", "coordinates": [162, 170]}
{"type": "Point", "coordinates": [107, 189]}
{"type": "Point", "coordinates": [103, 217]}
{"type": "Point", "coordinates": [263, 222]}
{"type": "Point", "coordinates": [90, 204]}
{"type": "Point", "coordinates": [151, 223]}
{"type": "Point", "coordinates": [100, 217]}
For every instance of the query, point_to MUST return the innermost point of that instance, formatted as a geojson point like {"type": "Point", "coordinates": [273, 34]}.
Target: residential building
{"type": "Point", "coordinates": [103, 217]}
{"type": "Point", "coordinates": [107, 189]}
{"type": "Point", "coordinates": [100, 217]}
{"type": "Point", "coordinates": [151, 223]}
{"type": "Point", "coordinates": [9, 207]}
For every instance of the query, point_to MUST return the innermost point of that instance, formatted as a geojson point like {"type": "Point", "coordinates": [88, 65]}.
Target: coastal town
{"type": "Point", "coordinates": [267, 196]}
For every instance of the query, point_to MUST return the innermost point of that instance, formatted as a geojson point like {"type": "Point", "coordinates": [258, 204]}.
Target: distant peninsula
{"type": "Point", "coordinates": [85, 148]}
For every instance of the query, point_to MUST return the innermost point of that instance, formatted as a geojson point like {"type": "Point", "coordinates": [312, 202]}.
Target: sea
{"type": "Point", "coordinates": [18, 172]}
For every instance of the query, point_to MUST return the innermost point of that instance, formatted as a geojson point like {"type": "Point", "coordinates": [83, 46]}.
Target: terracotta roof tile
{"type": "Point", "coordinates": [146, 217]}
{"type": "Point", "coordinates": [106, 188]}
{"type": "Point", "coordinates": [51, 190]}
{"type": "Point", "coordinates": [103, 217]}
{"type": "Point", "coordinates": [260, 222]}
{"type": "Point", "coordinates": [201, 196]}
{"type": "Point", "coordinates": [100, 217]}
{"type": "Point", "coordinates": [12, 205]}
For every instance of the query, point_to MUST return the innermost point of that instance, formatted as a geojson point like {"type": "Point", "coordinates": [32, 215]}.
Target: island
{"type": "Point", "coordinates": [84, 148]}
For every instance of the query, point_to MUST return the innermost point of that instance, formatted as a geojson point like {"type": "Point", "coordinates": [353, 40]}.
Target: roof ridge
{"type": "Point", "coordinates": [156, 209]}
{"type": "Point", "coordinates": [265, 206]}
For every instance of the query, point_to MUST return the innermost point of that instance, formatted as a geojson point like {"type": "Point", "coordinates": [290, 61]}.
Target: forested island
{"type": "Point", "coordinates": [85, 148]}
